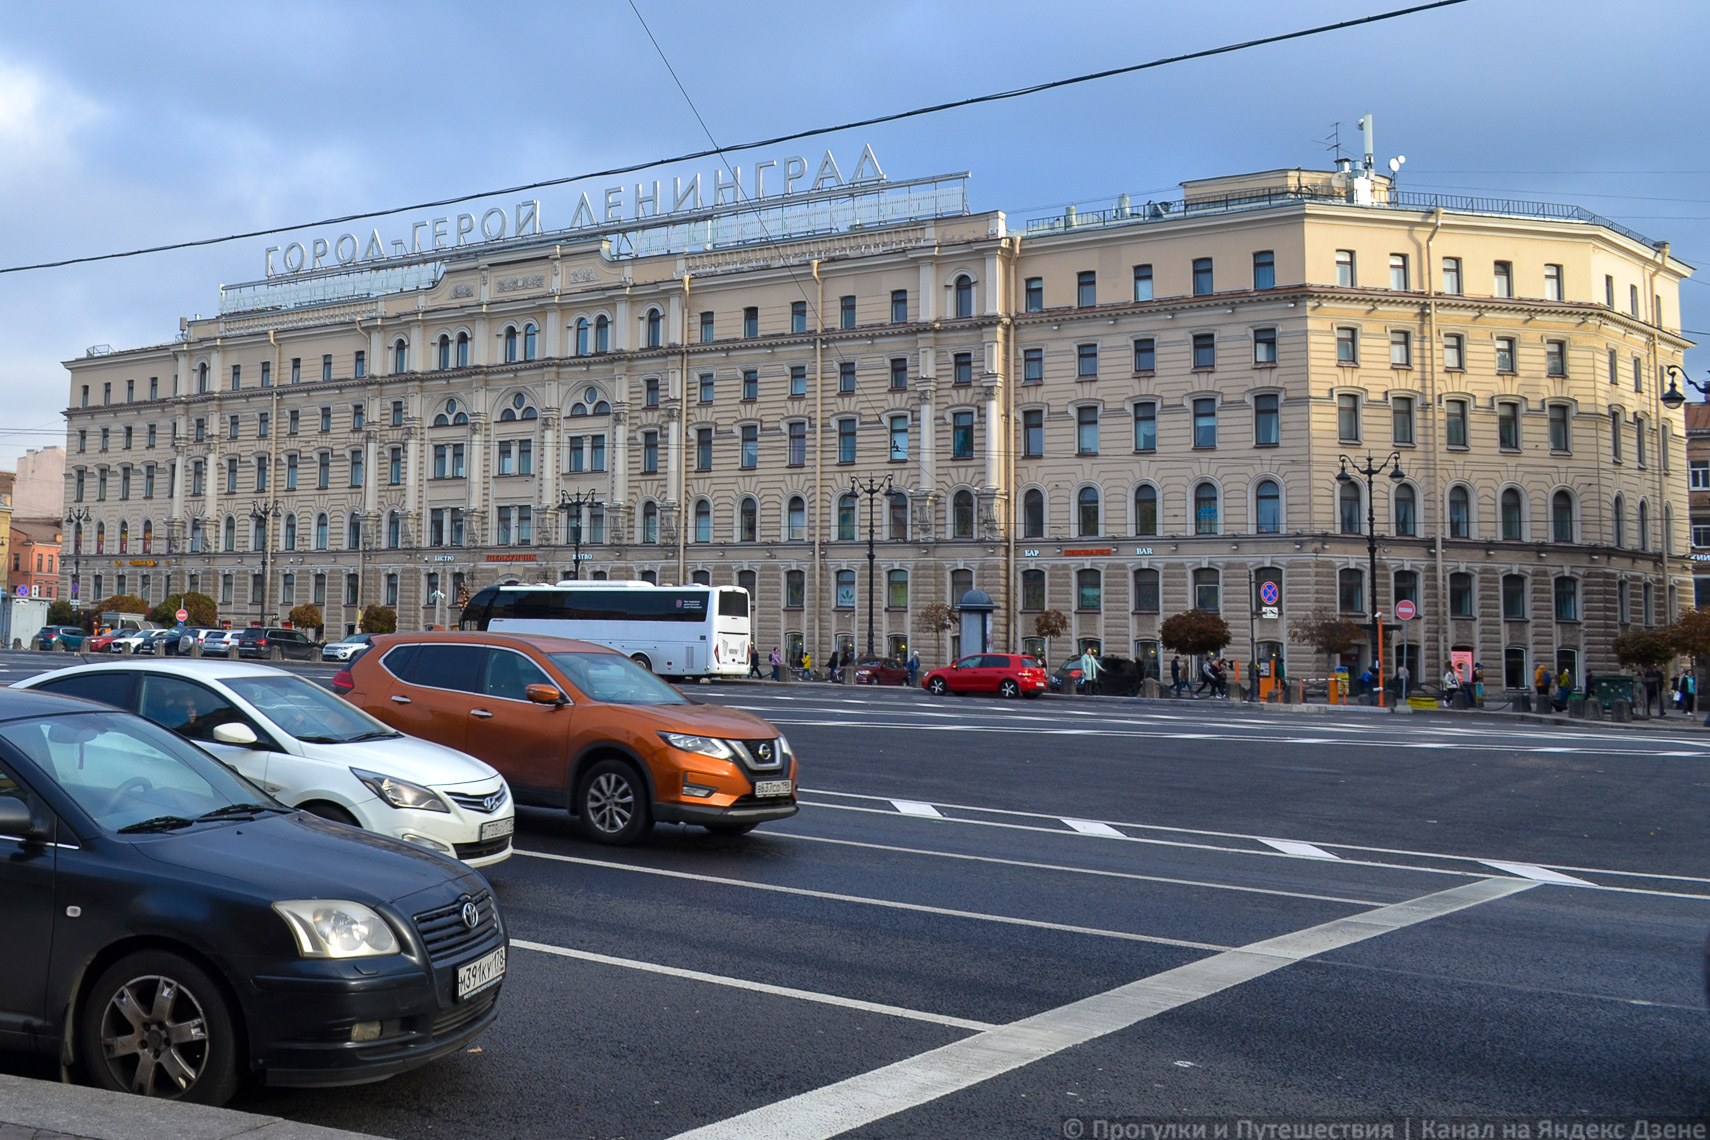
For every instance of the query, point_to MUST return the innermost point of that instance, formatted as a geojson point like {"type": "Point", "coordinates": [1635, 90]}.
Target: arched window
{"type": "Point", "coordinates": [703, 521]}
{"type": "Point", "coordinates": [1513, 515]}
{"type": "Point", "coordinates": [510, 344]}
{"type": "Point", "coordinates": [290, 532]}
{"type": "Point", "coordinates": [463, 350]}
{"type": "Point", "coordinates": [650, 521]}
{"type": "Point", "coordinates": [228, 534]}
{"type": "Point", "coordinates": [531, 337]}
{"type": "Point", "coordinates": [1267, 507]}
{"type": "Point", "coordinates": [581, 336]}
{"type": "Point", "coordinates": [1086, 512]}
{"type": "Point", "coordinates": [1348, 508]}
{"type": "Point", "coordinates": [1618, 522]}
{"type": "Point", "coordinates": [795, 520]}
{"type": "Point", "coordinates": [602, 335]}
{"type": "Point", "coordinates": [124, 537]}
{"type": "Point", "coordinates": [655, 328]}
{"type": "Point", "coordinates": [1406, 510]}
{"type": "Point", "coordinates": [1146, 510]}
{"type": "Point", "coordinates": [1033, 514]}
{"type": "Point", "coordinates": [444, 351]}
{"type": "Point", "coordinates": [1668, 535]}
{"type": "Point", "coordinates": [846, 518]}
{"type": "Point", "coordinates": [321, 531]}
{"type": "Point", "coordinates": [1644, 525]}
{"type": "Point", "coordinates": [400, 355]}
{"type": "Point", "coordinates": [394, 530]}
{"type": "Point", "coordinates": [257, 534]}
{"type": "Point", "coordinates": [148, 536]}
{"type": "Point", "coordinates": [1561, 517]}
{"type": "Point", "coordinates": [1205, 512]}
{"type": "Point", "coordinates": [1460, 512]}
{"type": "Point", "coordinates": [748, 521]}
{"type": "Point", "coordinates": [964, 296]}
{"type": "Point", "coordinates": [1032, 590]}
{"type": "Point", "coordinates": [962, 515]}
{"type": "Point", "coordinates": [202, 377]}
{"type": "Point", "coordinates": [353, 532]}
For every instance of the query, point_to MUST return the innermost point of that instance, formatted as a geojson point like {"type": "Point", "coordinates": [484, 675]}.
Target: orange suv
{"type": "Point", "coordinates": [576, 725]}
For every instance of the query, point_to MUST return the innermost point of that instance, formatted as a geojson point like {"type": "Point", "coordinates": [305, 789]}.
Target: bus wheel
{"type": "Point", "coordinates": [642, 660]}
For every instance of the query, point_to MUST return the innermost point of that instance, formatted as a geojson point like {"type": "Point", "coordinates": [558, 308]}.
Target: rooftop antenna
{"type": "Point", "coordinates": [1333, 141]}
{"type": "Point", "coordinates": [1366, 138]}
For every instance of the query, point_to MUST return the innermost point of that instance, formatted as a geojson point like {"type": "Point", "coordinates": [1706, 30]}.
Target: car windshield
{"type": "Point", "coordinates": [615, 679]}
{"type": "Point", "coordinates": [307, 711]}
{"type": "Point", "coordinates": [123, 770]}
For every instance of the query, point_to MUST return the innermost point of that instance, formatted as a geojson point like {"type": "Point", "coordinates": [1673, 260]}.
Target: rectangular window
{"type": "Point", "coordinates": [1348, 417]}
{"type": "Point", "coordinates": [356, 469]}
{"type": "Point", "coordinates": [1086, 361]}
{"type": "Point", "coordinates": [596, 454]}
{"type": "Point", "coordinates": [1461, 595]}
{"type": "Point", "coordinates": [1346, 276]}
{"type": "Point", "coordinates": [798, 379]}
{"type": "Point", "coordinates": [650, 452]}
{"type": "Point", "coordinates": [1086, 289]}
{"type": "Point", "coordinates": [1265, 269]}
{"type": "Point", "coordinates": [1400, 348]}
{"type": "Point", "coordinates": [201, 432]}
{"type": "Point", "coordinates": [1615, 434]}
{"type": "Point", "coordinates": [457, 461]}
{"type": "Point", "coordinates": [963, 365]}
{"type": "Point", "coordinates": [706, 387]}
{"type": "Point", "coordinates": [1700, 535]}
{"type": "Point", "coordinates": [1202, 285]}
{"type": "Point", "coordinates": [1508, 426]}
{"type": "Point", "coordinates": [1032, 366]}
{"type": "Point", "coordinates": [1502, 283]}
{"type": "Point", "coordinates": [1401, 417]}
{"type": "Point", "coordinates": [706, 328]}
{"type": "Point", "coordinates": [1034, 294]}
{"type": "Point", "coordinates": [1145, 427]}
{"type": "Point", "coordinates": [1086, 431]}
{"type": "Point", "coordinates": [1609, 290]}
{"type": "Point", "coordinates": [846, 376]}
{"type": "Point", "coordinates": [899, 438]}
{"type": "Point", "coordinates": [751, 322]}
{"type": "Point", "coordinates": [1347, 346]}
{"type": "Point", "coordinates": [1266, 429]}
{"type": "Point", "coordinates": [846, 312]}
{"type": "Point", "coordinates": [1032, 433]}
{"type": "Point", "coordinates": [1146, 353]}
{"type": "Point", "coordinates": [231, 428]}
{"type": "Point", "coordinates": [1567, 599]}
{"type": "Point", "coordinates": [231, 475]}
{"type": "Point", "coordinates": [576, 454]}
{"type": "Point", "coordinates": [750, 384]}
{"type": "Point", "coordinates": [1205, 422]}
{"type": "Point", "coordinates": [1204, 350]}
{"type": "Point", "coordinates": [962, 435]}
{"type": "Point", "coordinates": [150, 442]}
{"type": "Point", "coordinates": [326, 367]}
{"type": "Point", "coordinates": [1553, 283]}
{"type": "Point", "coordinates": [1559, 427]}
{"type": "Point", "coordinates": [525, 457]}
{"type": "Point", "coordinates": [1555, 357]}
{"type": "Point", "coordinates": [899, 372]}
{"type": "Point", "coordinates": [1264, 347]}
{"type": "Point", "coordinates": [326, 419]}
{"type": "Point", "coordinates": [505, 467]}
{"type": "Point", "coordinates": [1505, 354]}
{"type": "Point", "coordinates": [358, 417]}
{"type": "Point", "coordinates": [1455, 422]}
{"type": "Point", "coordinates": [1638, 375]}
{"type": "Point", "coordinates": [1454, 352]}
{"type": "Point", "coordinates": [1633, 300]}
{"type": "Point", "coordinates": [845, 441]}
{"type": "Point", "coordinates": [1398, 272]}
{"type": "Point", "coordinates": [1142, 282]}
{"type": "Point", "coordinates": [1638, 437]}
{"type": "Point", "coordinates": [395, 467]}
{"type": "Point", "coordinates": [798, 444]}
{"type": "Point", "coordinates": [703, 449]}
{"type": "Point", "coordinates": [1698, 474]}
{"type": "Point", "coordinates": [798, 316]}
{"type": "Point", "coordinates": [899, 306]}
{"type": "Point", "coordinates": [237, 377]}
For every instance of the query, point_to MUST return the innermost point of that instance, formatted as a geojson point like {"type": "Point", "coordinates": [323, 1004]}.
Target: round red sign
{"type": "Point", "coordinates": [182, 615]}
{"type": "Point", "coordinates": [1405, 610]}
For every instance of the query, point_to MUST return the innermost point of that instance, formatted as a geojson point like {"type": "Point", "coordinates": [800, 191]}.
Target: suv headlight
{"type": "Point", "coordinates": [784, 747]}
{"type": "Point", "coordinates": [702, 745]}
{"type": "Point", "coordinates": [336, 928]}
{"type": "Point", "coordinates": [400, 793]}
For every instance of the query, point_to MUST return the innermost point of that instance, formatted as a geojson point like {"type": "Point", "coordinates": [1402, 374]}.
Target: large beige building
{"type": "Point", "coordinates": [1117, 414]}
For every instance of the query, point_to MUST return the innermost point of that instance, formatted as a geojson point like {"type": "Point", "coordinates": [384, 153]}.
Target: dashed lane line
{"type": "Point", "coordinates": [889, 904]}
{"type": "Point", "coordinates": [755, 987]}
{"type": "Point", "coordinates": [1091, 827]}
{"type": "Point", "coordinates": [918, 1080]}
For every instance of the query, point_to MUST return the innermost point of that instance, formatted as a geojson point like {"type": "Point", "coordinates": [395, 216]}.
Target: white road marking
{"type": "Point", "coordinates": [756, 987]}
{"type": "Point", "coordinates": [915, 807]}
{"type": "Point", "coordinates": [889, 904]}
{"type": "Point", "coordinates": [1293, 847]}
{"type": "Point", "coordinates": [1089, 827]}
{"type": "Point", "coordinates": [871, 1096]}
{"type": "Point", "coordinates": [1540, 874]}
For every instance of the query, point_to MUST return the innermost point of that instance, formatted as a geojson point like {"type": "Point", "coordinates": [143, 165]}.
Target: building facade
{"type": "Point", "coordinates": [1118, 414]}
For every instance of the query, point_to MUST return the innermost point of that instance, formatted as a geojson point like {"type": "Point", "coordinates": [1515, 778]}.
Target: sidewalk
{"type": "Point", "coordinates": [44, 1110]}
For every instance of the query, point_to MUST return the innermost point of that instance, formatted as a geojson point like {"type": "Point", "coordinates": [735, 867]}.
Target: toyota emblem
{"type": "Point", "coordinates": [765, 751]}
{"type": "Point", "coordinates": [471, 915]}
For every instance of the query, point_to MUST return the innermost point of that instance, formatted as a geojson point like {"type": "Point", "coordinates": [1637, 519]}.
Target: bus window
{"type": "Point", "coordinates": [733, 603]}
{"type": "Point", "coordinates": [476, 614]}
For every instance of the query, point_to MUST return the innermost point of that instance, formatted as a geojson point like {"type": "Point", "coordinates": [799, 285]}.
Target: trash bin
{"type": "Point", "coordinates": [1610, 687]}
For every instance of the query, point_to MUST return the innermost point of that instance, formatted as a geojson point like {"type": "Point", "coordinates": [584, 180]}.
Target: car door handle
{"type": "Point", "coordinates": [401, 700]}
{"type": "Point", "coordinates": [482, 713]}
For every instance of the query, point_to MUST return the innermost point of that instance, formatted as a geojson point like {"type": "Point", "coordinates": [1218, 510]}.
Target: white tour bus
{"type": "Point", "coordinates": [676, 631]}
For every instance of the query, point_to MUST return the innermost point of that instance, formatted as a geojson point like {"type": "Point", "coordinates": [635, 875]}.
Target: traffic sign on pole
{"type": "Point", "coordinates": [1405, 610]}
{"type": "Point", "coordinates": [182, 616]}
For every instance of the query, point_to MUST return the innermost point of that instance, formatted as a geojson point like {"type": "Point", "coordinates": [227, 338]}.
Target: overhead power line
{"type": "Point", "coordinates": [630, 168]}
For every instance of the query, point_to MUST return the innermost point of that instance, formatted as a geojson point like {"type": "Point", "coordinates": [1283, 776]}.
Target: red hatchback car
{"type": "Point", "coordinates": [1006, 674]}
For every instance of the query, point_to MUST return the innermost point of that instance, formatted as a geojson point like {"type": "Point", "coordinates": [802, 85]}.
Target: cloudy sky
{"type": "Point", "coordinates": [143, 124]}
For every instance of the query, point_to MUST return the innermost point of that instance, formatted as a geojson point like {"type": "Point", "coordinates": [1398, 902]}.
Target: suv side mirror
{"type": "Point", "coordinates": [545, 695]}
{"type": "Point", "coordinates": [235, 733]}
{"type": "Point", "coordinates": [17, 819]}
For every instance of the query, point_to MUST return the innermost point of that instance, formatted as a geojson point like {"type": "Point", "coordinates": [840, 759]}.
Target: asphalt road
{"type": "Point", "coordinates": [1016, 920]}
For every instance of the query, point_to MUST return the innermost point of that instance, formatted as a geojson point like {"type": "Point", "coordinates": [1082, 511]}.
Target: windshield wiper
{"type": "Point", "coordinates": [320, 740]}
{"type": "Point", "coordinates": [239, 809]}
{"type": "Point", "coordinates": [377, 734]}
{"type": "Point", "coordinates": [158, 823]}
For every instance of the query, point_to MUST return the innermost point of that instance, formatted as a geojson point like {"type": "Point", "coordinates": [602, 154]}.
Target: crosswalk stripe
{"type": "Point", "coordinates": [1295, 847]}
{"type": "Point", "coordinates": [1088, 827]}
{"type": "Point", "coordinates": [915, 807]}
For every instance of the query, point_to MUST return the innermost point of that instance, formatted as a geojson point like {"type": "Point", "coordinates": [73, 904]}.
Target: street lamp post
{"type": "Point", "coordinates": [1370, 470]}
{"type": "Point", "coordinates": [872, 489]}
{"type": "Point", "coordinates": [261, 514]}
{"type": "Point", "coordinates": [572, 506]}
{"type": "Point", "coordinates": [75, 520]}
{"type": "Point", "coordinates": [1673, 398]}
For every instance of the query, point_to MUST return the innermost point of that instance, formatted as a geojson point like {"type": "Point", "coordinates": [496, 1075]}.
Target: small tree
{"type": "Point", "coordinates": [1049, 624]}
{"type": "Point", "coordinates": [200, 607]}
{"type": "Point", "coordinates": [61, 613]}
{"type": "Point", "coordinates": [1194, 632]}
{"type": "Point", "coordinates": [1691, 634]}
{"type": "Point", "coordinates": [1643, 649]}
{"type": "Point", "coordinates": [307, 616]}
{"type": "Point", "coordinates": [379, 619]}
{"type": "Point", "coordinates": [936, 619]}
{"type": "Point", "coordinates": [1330, 633]}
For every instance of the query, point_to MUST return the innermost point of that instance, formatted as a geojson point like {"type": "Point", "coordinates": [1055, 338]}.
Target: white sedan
{"type": "Point", "coordinates": [311, 750]}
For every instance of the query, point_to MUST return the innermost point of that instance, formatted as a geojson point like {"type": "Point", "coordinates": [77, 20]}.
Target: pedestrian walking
{"type": "Point", "coordinates": [1451, 686]}
{"type": "Point", "coordinates": [1207, 677]}
{"type": "Point", "coordinates": [1688, 692]}
{"type": "Point", "coordinates": [913, 668]}
{"type": "Point", "coordinates": [753, 661]}
{"type": "Point", "coordinates": [1089, 671]}
{"type": "Point", "coordinates": [1541, 685]}
{"type": "Point", "coordinates": [777, 660]}
{"type": "Point", "coordinates": [1220, 678]}
{"type": "Point", "coordinates": [1176, 676]}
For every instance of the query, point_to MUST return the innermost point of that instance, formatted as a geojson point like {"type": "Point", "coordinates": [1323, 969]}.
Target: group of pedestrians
{"type": "Point", "coordinates": [1213, 677]}
{"type": "Point", "coordinates": [840, 660]}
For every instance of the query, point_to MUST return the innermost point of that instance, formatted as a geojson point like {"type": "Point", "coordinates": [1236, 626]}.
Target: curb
{"type": "Point", "coordinates": [73, 1111]}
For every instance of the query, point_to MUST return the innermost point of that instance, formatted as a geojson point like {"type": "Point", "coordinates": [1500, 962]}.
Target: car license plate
{"type": "Point", "coordinates": [495, 828]}
{"type": "Point", "coordinates": [480, 974]}
{"type": "Point", "coordinates": [772, 788]}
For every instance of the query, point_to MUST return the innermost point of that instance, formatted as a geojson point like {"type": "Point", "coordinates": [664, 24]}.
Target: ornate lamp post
{"type": "Point", "coordinates": [75, 520]}
{"type": "Point", "coordinates": [872, 489]}
{"type": "Point", "coordinates": [1370, 470]}
{"type": "Point", "coordinates": [572, 506]}
{"type": "Point", "coordinates": [262, 514]}
{"type": "Point", "coordinates": [1673, 398]}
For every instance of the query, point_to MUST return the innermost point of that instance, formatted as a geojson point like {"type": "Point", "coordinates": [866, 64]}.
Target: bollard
{"type": "Point", "coordinates": [1149, 688]}
{"type": "Point", "coordinates": [195, 647]}
{"type": "Point", "coordinates": [1593, 709]}
{"type": "Point", "coordinates": [277, 653]}
{"type": "Point", "coordinates": [1459, 700]}
{"type": "Point", "coordinates": [1620, 712]}
{"type": "Point", "coordinates": [1523, 702]}
{"type": "Point", "coordinates": [1576, 708]}
{"type": "Point", "coordinates": [232, 651]}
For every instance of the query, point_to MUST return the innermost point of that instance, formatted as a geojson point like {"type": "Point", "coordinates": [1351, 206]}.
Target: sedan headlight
{"type": "Point", "coordinates": [703, 745]}
{"type": "Point", "coordinates": [400, 793]}
{"type": "Point", "coordinates": [336, 928]}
